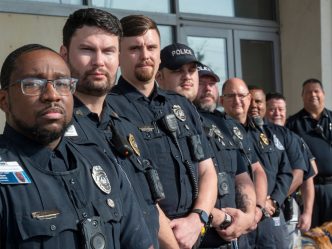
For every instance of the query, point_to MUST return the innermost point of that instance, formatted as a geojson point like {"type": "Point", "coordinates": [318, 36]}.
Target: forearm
{"type": "Point", "coordinates": [207, 186]}
{"type": "Point", "coordinates": [166, 236]}
{"type": "Point", "coordinates": [297, 180]}
{"type": "Point", "coordinates": [260, 184]}
{"type": "Point", "coordinates": [245, 194]}
{"type": "Point", "coordinates": [308, 195]}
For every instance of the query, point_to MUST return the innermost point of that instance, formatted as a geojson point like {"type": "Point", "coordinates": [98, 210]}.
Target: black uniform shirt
{"type": "Point", "coordinates": [148, 114]}
{"type": "Point", "coordinates": [226, 155]}
{"type": "Point", "coordinates": [318, 136]}
{"type": "Point", "coordinates": [228, 162]}
{"type": "Point", "coordinates": [69, 197]}
{"type": "Point", "coordinates": [289, 141]}
{"type": "Point", "coordinates": [88, 126]}
{"type": "Point", "coordinates": [274, 161]}
{"type": "Point", "coordinates": [308, 157]}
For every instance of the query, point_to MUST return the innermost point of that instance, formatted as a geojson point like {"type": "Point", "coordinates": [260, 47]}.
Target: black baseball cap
{"type": "Point", "coordinates": [176, 55]}
{"type": "Point", "coordinates": [204, 70]}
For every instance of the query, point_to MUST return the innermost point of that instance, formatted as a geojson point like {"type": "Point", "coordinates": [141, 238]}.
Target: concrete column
{"type": "Point", "coordinates": [301, 47]}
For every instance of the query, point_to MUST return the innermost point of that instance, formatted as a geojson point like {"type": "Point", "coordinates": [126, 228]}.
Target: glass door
{"type": "Point", "coordinates": [213, 47]}
{"type": "Point", "coordinates": [257, 59]}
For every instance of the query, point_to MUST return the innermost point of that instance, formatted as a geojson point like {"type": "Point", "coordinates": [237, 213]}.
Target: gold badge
{"type": "Point", "coordinates": [264, 139]}
{"type": "Point", "coordinates": [101, 179]}
{"type": "Point", "coordinates": [179, 113]}
{"type": "Point", "coordinates": [133, 144]}
{"type": "Point", "coordinates": [237, 132]}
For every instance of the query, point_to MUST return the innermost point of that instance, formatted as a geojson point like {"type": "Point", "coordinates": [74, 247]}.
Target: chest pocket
{"type": "Point", "coordinates": [30, 227]}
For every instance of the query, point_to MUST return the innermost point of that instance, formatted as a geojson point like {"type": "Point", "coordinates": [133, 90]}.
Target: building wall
{"type": "Point", "coordinates": [300, 37]}
{"type": "Point", "coordinates": [19, 29]}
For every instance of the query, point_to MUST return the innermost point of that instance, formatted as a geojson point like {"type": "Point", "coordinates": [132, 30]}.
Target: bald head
{"type": "Point", "coordinates": [236, 99]}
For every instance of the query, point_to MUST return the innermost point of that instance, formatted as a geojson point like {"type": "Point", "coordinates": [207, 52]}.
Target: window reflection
{"type": "Point", "coordinates": [212, 52]}
{"type": "Point", "coordinates": [79, 2]}
{"type": "Point", "coordinates": [257, 9]}
{"type": "Point", "coordinates": [161, 6]}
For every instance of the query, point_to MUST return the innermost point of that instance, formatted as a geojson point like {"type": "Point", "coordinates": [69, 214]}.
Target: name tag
{"type": "Point", "coordinates": [71, 131]}
{"type": "Point", "coordinates": [13, 173]}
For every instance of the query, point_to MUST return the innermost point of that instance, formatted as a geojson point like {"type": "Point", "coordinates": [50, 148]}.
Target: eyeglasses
{"type": "Point", "coordinates": [241, 96]}
{"type": "Point", "coordinates": [35, 86]}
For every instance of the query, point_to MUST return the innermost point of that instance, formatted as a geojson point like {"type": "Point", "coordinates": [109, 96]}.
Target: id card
{"type": "Point", "coordinates": [13, 173]}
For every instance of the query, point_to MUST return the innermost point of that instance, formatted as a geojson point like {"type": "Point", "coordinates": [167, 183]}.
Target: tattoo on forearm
{"type": "Point", "coordinates": [242, 199]}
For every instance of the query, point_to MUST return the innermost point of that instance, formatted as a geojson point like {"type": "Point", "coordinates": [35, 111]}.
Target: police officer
{"type": "Point", "coordinates": [232, 172]}
{"type": "Point", "coordinates": [69, 194]}
{"type": "Point", "coordinates": [276, 114]}
{"type": "Point", "coordinates": [236, 100]}
{"type": "Point", "coordinates": [286, 140]}
{"type": "Point", "coordinates": [91, 47]}
{"type": "Point", "coordinates": [313, 123]}
{"type": "Point", "coordinates": [171, 127]}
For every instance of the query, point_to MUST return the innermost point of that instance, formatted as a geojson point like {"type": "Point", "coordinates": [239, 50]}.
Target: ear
{"type": "Point", "coordinates": [159, 76]}
{"type": "Point", "coordinates": [221, 100]}
{"type": "Point", "coordinates": [64, 52]}
{"type": "Point", "coordinates": [4, 101]}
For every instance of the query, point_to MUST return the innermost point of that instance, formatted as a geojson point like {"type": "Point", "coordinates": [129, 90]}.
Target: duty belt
{"type": "Point", "coordinates": [323, 180]}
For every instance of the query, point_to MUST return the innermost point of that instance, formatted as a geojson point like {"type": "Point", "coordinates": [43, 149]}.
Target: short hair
{"type": "Point", "coordinates": [275, 95]}
{"type": "Point", "coordinates": [255, 87]}
{"type": "Point", "coordinates": [9, 64]}
{"type": "Point", "coordinates": [312, 81]}
{"type": "Point", "coordinates": [90, 17]}
{"type": "Point", "coordinates": [137, 25]}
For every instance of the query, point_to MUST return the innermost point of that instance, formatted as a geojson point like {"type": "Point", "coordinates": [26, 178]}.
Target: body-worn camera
{"type": "Point", "coordinates": [196, 148]}
{"type": "Point", "coordinates": [93, 237]}
{"type": "Point", "coordinates": [223, 186]}
{"type": "Point", "coordinates": [155, 185]}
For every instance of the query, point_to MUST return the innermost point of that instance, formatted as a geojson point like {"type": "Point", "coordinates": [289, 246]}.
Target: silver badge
{"type": "Point", "coordinates": [179, 113]}
{"type": "Point", "coordinates": [277, 143]}
{"type": "Point", "coordinates": [101, 179]}
{"type": "Point", "coordinates": [237, 132]}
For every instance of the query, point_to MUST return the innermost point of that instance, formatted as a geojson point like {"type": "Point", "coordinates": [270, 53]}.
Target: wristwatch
{"type": "Point", "coordinates": [202, 215]}
{"type": "Point", "coordinates": [264, 212]}
{"type": "Point", "coordinates": [227, 221]}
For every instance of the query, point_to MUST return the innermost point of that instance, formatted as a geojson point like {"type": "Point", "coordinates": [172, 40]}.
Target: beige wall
{"type": "Point", "coordinates": [300, 47]}
{"type": "Point", "coordinates": [18, 30]}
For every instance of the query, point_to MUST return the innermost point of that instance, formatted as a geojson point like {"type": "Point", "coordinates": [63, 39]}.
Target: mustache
{"type": "Point", "coordinates": [54, 107]}
{"type": "Point", "coordinates": [208, 95]}
{"type": "Point", "coordinates": [93, 71]}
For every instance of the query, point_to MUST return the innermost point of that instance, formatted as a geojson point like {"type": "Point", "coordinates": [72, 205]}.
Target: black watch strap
{"type": "Point", "coordinates": [264, 212]}
{"type": "Point", "coordinates": [227, 221]}
{"type": "Point", "coordinates": [202, 215]}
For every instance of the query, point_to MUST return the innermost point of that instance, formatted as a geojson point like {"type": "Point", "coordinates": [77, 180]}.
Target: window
{"type": "Point", "coordinates": [160, 6]}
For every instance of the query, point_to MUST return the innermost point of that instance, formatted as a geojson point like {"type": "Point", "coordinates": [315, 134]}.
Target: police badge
{"type": "Point", "coordinates": [277, 143]}
{"type": "Point", "coordinates": [263, 138]}
{"type": "Point", "coordinates": [101, 179]}
{"type": "Point", "coordinates": [133, 144]}
{"type": "Point", "coordinates": [237, 132]}
{"type": "Point", "coordinates": [179, 113]}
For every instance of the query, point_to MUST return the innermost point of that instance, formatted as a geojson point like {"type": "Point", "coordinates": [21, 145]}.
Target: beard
{"type": "Point", "coordinates": [144, 75]}
{"type": "Point", "coordinates": [90, 87]}
{"type": "Point", "coordinates": [37, 132]}
{"type": "Point", "coordinates": [206, 106]}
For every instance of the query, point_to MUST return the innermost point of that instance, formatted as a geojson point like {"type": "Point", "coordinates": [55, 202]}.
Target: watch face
{"type": "Point", "coordinates": [204, 217]}
{"type": "Point", "coordinates": [227, 222]}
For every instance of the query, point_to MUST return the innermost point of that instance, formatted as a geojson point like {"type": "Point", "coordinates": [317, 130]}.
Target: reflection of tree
{"type": "Point", "coordinates": [200, 51]}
